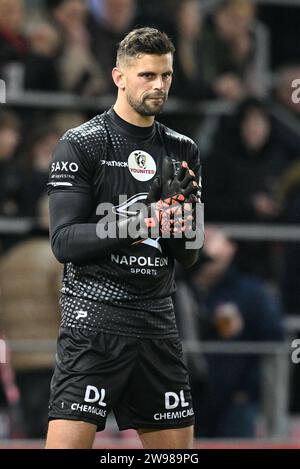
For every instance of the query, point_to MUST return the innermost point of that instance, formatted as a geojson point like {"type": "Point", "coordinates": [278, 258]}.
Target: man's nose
{"type": "Point", "coordinates": [158, 83]}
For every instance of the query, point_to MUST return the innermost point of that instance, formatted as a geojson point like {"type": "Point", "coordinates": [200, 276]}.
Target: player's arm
{"type": "Point", "coordinates": [71, 205]}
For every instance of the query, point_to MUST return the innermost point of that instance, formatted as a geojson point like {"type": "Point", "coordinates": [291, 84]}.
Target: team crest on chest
{"type": "Point", "coordinates": [141, 165]}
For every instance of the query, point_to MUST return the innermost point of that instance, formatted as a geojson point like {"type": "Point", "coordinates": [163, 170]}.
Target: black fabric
{"type": "Point", "coordinates": [142, 319]}
{"type": "Point", "coordinates": [90, 166]}
{"type": "Point", "coordinates": [97, 372]}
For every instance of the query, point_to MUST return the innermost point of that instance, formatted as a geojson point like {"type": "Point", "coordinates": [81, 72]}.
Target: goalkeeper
{"type": "Point", "coordinates": [124, 205]}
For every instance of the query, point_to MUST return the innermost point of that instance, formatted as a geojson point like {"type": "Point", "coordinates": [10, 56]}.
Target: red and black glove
{"type": "Point", "coordinates": [170, 201]}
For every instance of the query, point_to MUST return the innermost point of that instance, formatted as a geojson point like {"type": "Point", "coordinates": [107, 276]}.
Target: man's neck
{"type": "Point", "coordinates": [131, 116]}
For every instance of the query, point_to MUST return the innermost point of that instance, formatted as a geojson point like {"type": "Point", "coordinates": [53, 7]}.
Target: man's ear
{"type": "Point", "coordinates": [118, 77]}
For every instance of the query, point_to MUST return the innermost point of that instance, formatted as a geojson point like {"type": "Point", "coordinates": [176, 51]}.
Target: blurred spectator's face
{"type": "Point", "coordinates": [189, 19]}
{"type": "Point", "coordinates": [228, 320]}
{"type": "Point", "coordinates": [284, 90]}
{"type": "Point", "coordinates": [234, 21]}
{"type": "Point", "coordinates": [44, 40]}
{"type": "Point", "coordinates": [217, 245]}
{"type": "Point", "coordinates": [71, 11]}
{"type": "Point", "coordinates": [9, 139]}
{"type": "Point", "coordinates": [255, 129]}
{"type": "Point", "coordinates": [119, 13]}
{"type": "Point", "coordinates": [42, 152]}
{"type": "Point", "coordinates": [11, 15]}
{"type": "Point", "coordinates": [221, 251]}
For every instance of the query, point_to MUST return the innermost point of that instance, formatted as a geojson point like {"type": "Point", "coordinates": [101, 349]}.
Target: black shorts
{"type": "Point", "coordinates": [144, 381]}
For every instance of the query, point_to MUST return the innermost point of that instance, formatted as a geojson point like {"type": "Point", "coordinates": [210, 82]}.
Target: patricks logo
{"type": "Point", "coordinates": [141, 165]}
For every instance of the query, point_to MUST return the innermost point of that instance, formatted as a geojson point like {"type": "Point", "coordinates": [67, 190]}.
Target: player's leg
{"type": "Point", "coordinates": [70, 434]}
{"type": "Point", "coordinates": [90, 373]}
{"type": "Point", "coordinates": [158, 401]}
{"type": "Point", "coordinates": [174, 438]}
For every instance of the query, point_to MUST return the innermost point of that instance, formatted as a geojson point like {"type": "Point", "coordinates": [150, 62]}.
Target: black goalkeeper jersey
{"type": "Point", "coordinates": [101, 169]}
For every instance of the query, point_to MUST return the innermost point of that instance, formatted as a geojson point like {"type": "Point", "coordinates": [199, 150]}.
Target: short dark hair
{"type": "Point", "coordinates": [144, 41]}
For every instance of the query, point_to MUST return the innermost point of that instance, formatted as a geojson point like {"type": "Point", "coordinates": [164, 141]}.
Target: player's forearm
{"type": "Point", "coordinates": [80, 243]}
{"type": "Point", "coordinates": [186, 250]}
{"type": "Point", "coordinates": [186, 257]}
{"type": "Point", "coordinates": [75, 239]}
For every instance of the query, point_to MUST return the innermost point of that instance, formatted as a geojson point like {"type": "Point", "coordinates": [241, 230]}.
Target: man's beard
{"type": "Point", "coordinates": [147, 107]}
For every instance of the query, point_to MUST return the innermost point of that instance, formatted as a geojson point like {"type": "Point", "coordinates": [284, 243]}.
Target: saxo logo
{"type": "Point", "coordinates": [172, 400]}
{"type": "Point", "coordinates": [92, 394]}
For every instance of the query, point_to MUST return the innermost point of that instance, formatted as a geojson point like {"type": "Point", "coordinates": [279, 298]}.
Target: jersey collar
{"type": "Point", "coordinates": [130, 129]}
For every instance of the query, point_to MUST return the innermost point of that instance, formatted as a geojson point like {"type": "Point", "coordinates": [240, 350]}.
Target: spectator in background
{"type": "Point", "coordinates": [96, 9]}
{"type": "Point", "coordinates": [79, 71]}
{"type": "Point", "coordinates": [188, 81]}
{"type": "Point", "coordinates": [11, 420]}
{"type": "Point", "coordinates": [238, 308]}
{"type": "Point", "coordinates": [29, 279]}
{"type": "Point", "coordinates": [27, 58]}
{"type": "Point", "coordinates": [44, 43]}
{"type": "Point", "coordinates": [289, 198]}
{"type": "Point", "coordinates": [243, 171]}
{"type": "Point", "coordinates": [286, 110]}
{"type": "Point", "coordinates": [229, 51]}
{"type": "Point", "coordinates": [118, 17]}
{"type": "Point", "coordinates": [10, 134]}
{"type": "Point", "coordinates": [64, 120]}
{"type": "Point", "coordinates": [35, 168]}
{"type": "Point", "coordinates": [13, 44]}
{"type": "Point", "coordinates": [242, 176]}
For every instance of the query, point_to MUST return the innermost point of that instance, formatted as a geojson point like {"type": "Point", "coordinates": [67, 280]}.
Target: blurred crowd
{"type": "Point", "coordinates": [251, 174]}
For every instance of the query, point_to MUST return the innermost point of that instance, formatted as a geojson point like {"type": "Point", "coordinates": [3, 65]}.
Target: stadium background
{"type": "Point", "coordinates": [234, 93]}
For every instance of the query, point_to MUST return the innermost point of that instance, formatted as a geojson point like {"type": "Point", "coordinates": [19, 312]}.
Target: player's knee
{"type": "Point", "coordinates": [176, 438]}
{"type": "Point", "coordinates": [64, 434]}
